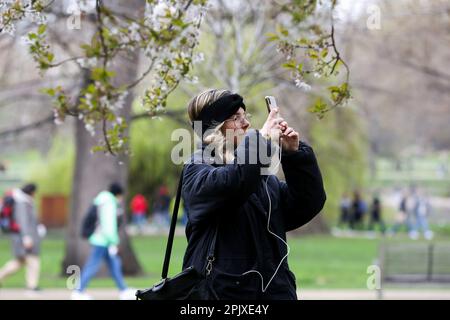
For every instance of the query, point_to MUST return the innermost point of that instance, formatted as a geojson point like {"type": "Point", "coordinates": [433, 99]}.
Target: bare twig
{"type": "Point", "coordinates": [338, 55]}
{"type": "Point", "coordinates": [98, 9]}
{"type": "Point", "coordinates": [48, 5]}
{"type": "Point", "coordinates": [64, 61]}
{"type": "Point", "coordinates": [27, 127]}
{"type": "Point", "coordinates": [187, 5]}
{"type": "Point", "coordinates": [138, 80]}
{"type": "Point", "coordinates": [177, 115]}
{"type": "Point", "coordinates": [30, 96]}
{"type": "Point", "coordinates": [426, 70]}
{"type": "Point", "coordinates": [105, 134]}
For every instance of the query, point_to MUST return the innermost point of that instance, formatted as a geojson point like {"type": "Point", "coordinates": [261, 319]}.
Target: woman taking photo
{"type": "Point", "coordinates": [238, 217]}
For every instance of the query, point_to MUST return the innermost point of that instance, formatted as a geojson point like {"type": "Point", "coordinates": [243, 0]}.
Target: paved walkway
{"type": "Point", "coordinates": [334, 294]}
{"type": "Point", "coordinates": [388, 294]}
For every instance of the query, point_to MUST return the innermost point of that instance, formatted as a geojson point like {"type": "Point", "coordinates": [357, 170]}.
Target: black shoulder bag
{"type": "Point", "coordinates": [190, 284]}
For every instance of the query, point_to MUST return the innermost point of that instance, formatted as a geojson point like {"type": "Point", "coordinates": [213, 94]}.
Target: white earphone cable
{"type": "Point", "coordinates": [268, 229]}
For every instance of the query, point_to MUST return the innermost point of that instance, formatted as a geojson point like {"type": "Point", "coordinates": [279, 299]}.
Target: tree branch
{"type": "Point", "coordinates": [11, 100]}
{"type": "Point", "coordinates": [27, 127]}
{"type": "Point", "coordinates": [136, 82]}
{"type": "Point", "coordinates": [98, 4]}
{"type": "Point", "coordinates": [175, 115]}
{"type": "Point", "coordinates": [64, 61]}
{"type": "Point", "coordinates": [105, 135]}
{"type": "Point", "coordinates": [427, 70]}
{"type": "Point", "coordinates": [338, 55]}
{"type": "Point", "coordinates": [333, 45]}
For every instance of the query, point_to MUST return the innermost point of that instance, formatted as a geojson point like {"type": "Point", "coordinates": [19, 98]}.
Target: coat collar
{"type": "Point", "coordinates": [200, 156]}
{"type": "Point", "coordinates": [205, 156]}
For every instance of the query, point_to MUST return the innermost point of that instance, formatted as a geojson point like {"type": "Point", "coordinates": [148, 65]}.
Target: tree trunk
{"type": "Point", "coordinates": [95, 172]}
{"type": "Point", "coordinates": [316, 226]}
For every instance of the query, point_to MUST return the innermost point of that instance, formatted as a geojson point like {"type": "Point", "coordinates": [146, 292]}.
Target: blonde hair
{"type": "Point", "coordinates": [216, 138]}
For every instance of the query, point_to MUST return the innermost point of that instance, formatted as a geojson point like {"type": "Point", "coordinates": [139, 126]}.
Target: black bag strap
{"type": "Point", "coordinates": [173, 224]}
{"type": "Point", "coordinates": [210, 257]}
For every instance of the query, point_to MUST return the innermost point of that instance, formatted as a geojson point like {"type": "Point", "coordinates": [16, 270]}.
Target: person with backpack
{"type": "Point", "coordinates": [19, 219]}
{"type": "Point", "coordinates": [104, 241]}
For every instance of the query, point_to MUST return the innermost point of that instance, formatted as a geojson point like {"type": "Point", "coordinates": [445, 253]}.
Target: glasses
{"type": "Point", "coordinates": [240, 118]}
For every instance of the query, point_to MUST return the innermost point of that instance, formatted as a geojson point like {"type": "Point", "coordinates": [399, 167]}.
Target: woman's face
{"type": "Point", "coordinates": [236, 126]}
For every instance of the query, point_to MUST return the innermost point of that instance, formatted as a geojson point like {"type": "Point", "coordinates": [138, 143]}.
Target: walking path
{"type": "Point", "coordinates": [307, 294]}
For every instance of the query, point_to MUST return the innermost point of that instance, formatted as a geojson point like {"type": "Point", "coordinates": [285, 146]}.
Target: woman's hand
{"type": "Point", "coordinates": [289, 138]}
{"type": "Point", "coordinates": [275, 127]}
{"type": "Point", "coordinates": [272, 127]}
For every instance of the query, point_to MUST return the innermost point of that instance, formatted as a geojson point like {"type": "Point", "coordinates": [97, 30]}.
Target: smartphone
{"type": "Point", "coordinates": [270, 103]}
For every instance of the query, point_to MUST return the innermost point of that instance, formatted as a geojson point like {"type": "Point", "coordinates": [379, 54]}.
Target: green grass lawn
{"type": "Point", "coordinates": [317, 261]}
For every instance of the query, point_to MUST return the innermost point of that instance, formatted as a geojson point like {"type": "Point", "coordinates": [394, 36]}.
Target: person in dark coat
{"type": "Point", "coordinates": [345, 210]}
{"type": "Point", "coordinates": [226, 194]}
{"type": "Point", "coordinates": [376, 215]}
{"type": "Point", "coordinates": [358, 211]}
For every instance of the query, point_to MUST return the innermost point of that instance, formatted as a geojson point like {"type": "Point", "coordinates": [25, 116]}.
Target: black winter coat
{"type": "Point", "coordinates": [233, 199]}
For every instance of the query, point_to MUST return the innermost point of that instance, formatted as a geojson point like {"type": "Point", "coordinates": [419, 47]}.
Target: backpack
{"type": "Point", "coordinates": [8, 223]}
{"type": "Point", "coordinates": [89, 222]}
